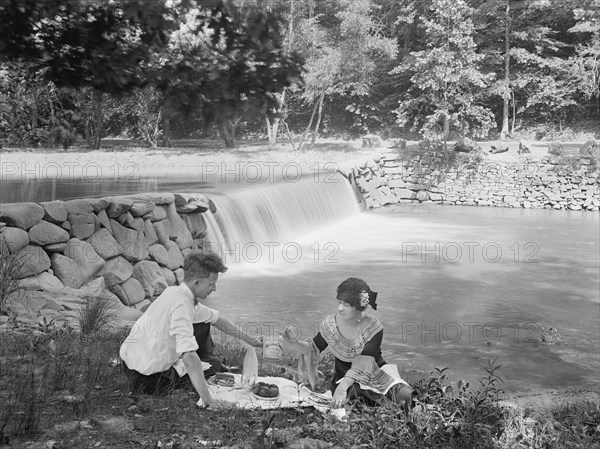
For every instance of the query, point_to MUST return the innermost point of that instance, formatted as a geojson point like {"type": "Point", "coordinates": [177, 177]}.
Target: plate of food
{"type": "Point", "coordinates": [222, 379]}
{"type": "Point", "coordinates": [265, 392]}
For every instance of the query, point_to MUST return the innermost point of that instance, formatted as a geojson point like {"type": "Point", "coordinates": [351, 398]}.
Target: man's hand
{"type": "Point", "coordinates": [339, 398]}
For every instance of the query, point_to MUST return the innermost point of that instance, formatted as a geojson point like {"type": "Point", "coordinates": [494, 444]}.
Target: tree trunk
{"type": "Point", "coordinates": [318, 124]}
{"type": "Point", "coordinates": [97, 119]}
{"type": "Point", "coordinates": [514, 113]}
{"type": "Point", "coordinates": [309, 126]}
{"type": "Point", "coordinates": [504, 131]}
{"type": "Point", "coordinates": [227, 131]}
{"type": "Point", "coordinates": [166, 124]}
{"type": "Point", "coordinates": [446, 130]}
{"type": "Point", "coordinates": [34, 118]}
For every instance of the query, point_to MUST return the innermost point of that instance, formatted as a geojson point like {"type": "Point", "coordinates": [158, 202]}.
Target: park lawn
{"type": "Point", "coordinates": [62, 389]}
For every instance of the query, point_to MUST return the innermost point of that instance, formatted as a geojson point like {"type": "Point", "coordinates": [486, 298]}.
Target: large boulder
{"type": "Point", "coordinates": [85, 256]}
{"type": "Point", "coordinates": [556, 149]}
{"type": "Point", "coordinates": [66, 270]}
{"type": "Point", "coordinates": [157, 214]}
{"type": "Point", "coordinates": [466, 145]}
{"type": "Point", "coordinates": [83, 226]}
{"type": "Point", "coordinates": [168, 275]}
{"type": "Point", "coordinates": [141, 208]}
{"type": "Point", "coordinates": [33, 260]}
{"type": "Point", "coordinates": [163, 230]}
{"type": "Point", "coordinates": [129, 292]}
{"type": "Point", "coordinates": [135, 246]}
{"type": "Point", "coordinates": [54, 211]}
{"type": "Point", "coordinates": [590, 149]}
{"type": "Point", "coordinates": [195, 224]}
{"type": "Point", "coordinates": [15, 238]}
{"type": "Point", "coordinates": [45, 233]}
{"type": "Point", "coordinates": [21, 215]}
{"type": "Point", "coordinates": [157, 198]}
{"type": "Point", "coordinates": [118, 206]}
{"type": "Point", "coordinates": [78, 207]}
{"type": "Point", "coordinates": [175, 256]}
{"type": "Point", "coordinates": [159, 254]}
{"type": "Point", "coordinates": [98, 204]}
{"type": "Point", "coordinates": [116, 271]}
{"type": "Point", "coordinates": [41, 281]}
{"type": "Point", "coordinates": [105, 244]}
{"type": "Point", "coordinates": [150, 276]}
{"type": "Point", "coordinates": [150, 232]}
{"type": "Point", "coordinates": [104, 221]}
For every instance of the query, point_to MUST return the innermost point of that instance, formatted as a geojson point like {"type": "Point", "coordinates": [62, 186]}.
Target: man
{"type": "Point", "coordinates": [165, 344]}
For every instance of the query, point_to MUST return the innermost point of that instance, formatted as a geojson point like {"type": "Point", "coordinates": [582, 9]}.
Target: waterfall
{"type": "Point", "coordinates": [261, 217]}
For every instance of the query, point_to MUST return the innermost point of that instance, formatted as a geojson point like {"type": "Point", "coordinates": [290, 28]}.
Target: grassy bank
{"type": "Point", "coordinates": [62, 389]}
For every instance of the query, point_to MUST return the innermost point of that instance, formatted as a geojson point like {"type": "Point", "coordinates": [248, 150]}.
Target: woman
{"type": "Point", "coordinates": [354, 338]}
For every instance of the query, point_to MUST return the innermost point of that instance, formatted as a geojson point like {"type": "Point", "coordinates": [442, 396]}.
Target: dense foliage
{"type": "Point", "coordinates": [87, 69]}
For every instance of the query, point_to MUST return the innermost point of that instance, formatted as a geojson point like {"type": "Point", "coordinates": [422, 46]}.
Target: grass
{"type": "Point", "coordinates": [98, 314]}
{"type": "Point", "coordinates": [62, 385]}
{"type": "Point", "coordinates": [10, 265]}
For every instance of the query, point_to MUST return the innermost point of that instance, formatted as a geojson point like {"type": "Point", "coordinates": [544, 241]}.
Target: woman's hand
{"type": "Point", "coordinates": [339, 398]}
{"type": "Point", "coordinates": [288, 335]}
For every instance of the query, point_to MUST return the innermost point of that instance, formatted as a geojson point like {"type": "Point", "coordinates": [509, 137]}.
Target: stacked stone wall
{"type": "Point", "coordinates": [136, 244]}
{"type": "Point", "coordinates": [473, 180]}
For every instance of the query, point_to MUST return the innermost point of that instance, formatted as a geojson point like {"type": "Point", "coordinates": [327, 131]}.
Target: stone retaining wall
{"type": "Point", "coordinates": [136, 244]}
{"type": "Point", "coordinates": [474, 180]}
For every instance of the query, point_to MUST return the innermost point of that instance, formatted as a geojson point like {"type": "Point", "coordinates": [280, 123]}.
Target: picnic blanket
{"type": "Point", "coordinates": [291, 395]}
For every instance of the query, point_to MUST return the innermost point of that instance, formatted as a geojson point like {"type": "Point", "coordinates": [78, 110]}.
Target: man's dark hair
{"type": "Point", "coordinates": [198, 264]}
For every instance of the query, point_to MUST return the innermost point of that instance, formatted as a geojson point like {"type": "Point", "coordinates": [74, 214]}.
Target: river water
{"type": "Point", "coordinates": [458, 286]}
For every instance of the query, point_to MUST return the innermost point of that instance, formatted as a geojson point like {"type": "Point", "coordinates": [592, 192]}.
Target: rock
{"type": "Point", "coordinates": [158, 198]}
{"type": "Point", "coordinates": [175, 257]}
{"type": "Point", "coordinates": [150, 276]}
{"type": "Point", "coordinates": [141, 208]}
{"type": "Point", "coordinates": [55, 247]}
{"type": "Point", "coordinates": [556, 149]}
{"type": "Point", "coordinates": [118, 206]}
{"type": "Point", "coordinates": [33, 260]}
{"type": "Point", "coordinates": [126, 219]}
{"type": "Point", "coordinates": [98, 204]}
{"type": "Point", "coordinates": [150, 232]}
{"type": "Point", "coordinates": [405, 194]}
{"type": "Point", "coordinates": [212, 206]}
{"type": "Point", "coordinates": [159, 254]}
{"type": "Point", "coordinates": [129, 292]}
{"type": "Point", "coordinates": [54, 211]}
{"type": "Point", "coordinates": [195, 224]}
{"type": "Point", "coordinates": [85, 256]}
{"type": "Point", "coordinates": [66, 270]}
{"type": "Point", "coordinates": [590, 149]}
{"type": "Point", "coordinates": [78, 207]}
{"type": "Point", "coordinates": [523, 149]}
{"type": "Point", "coordinates": [422, 195]}
{"type": "Point", "coordinates": [135, 247]}
{"type": "Point", "coordinates": [159, 213]}
{"type": "Point", "coordinates": [105, 244]}
{"type": "Point", "coordinates": [21, 215]}
{"type": "Point", "coordinates": [44, 233]}
{"type": "Point", "coordinates": [15, 238]}
{"type": "Point", "coordinates": [181, 199]}
{"type": "Point", "coordinates": [466, 145]}
{"type": "Point", "coordinates": [116, 271]}
{"type": "Point", "coordinates": [371, 141]}
{"type": "Point", "coordinates": [138, 224]}
{"type": "Point", "coordinates": [82, 226]}
{"type": "Point", "coordinates": [498, 149]}
{"type": "Point", "coordinates": [178, 275]}
{"type": "Point", "coordinates": [104, 221]}
{"type": "Point", "coordinates": [437, 197]}
{"type": "Point", "coordinates": [142, 305]}
{"type": "Point", "coordinates": [168, 275]}
{"type": "Point", "coordinates": [163, 231]}
{"type": "Point", "coordinates": [41, 281]}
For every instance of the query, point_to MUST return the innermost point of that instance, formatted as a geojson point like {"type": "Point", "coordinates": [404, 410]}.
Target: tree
{"type": "Point", "coordinates": [225, 65]}
{"type": "Point", "coordinates": [445, 76]}
{"type": "Point", "coordinates": [341, 50]}
{"type": "Point", "coordinates": [107, 45]}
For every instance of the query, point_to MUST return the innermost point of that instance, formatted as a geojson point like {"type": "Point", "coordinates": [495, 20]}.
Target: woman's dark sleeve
{"type": "Point", "coordinates": [320, 342]}
{"type": "Point", "coordinates": [373, 346]}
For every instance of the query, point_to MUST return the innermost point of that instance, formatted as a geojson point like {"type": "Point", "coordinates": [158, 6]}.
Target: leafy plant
{"type": "Point", "coordinates": [10, 265]}
{"type": "Point", "coordinates": [99, 312]}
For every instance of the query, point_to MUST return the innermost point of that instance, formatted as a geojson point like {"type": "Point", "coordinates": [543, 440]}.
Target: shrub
{"type": "Point", "coordinates": [98, 314]}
